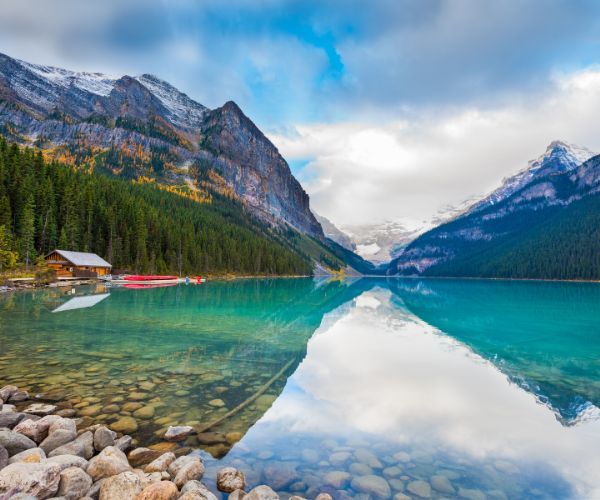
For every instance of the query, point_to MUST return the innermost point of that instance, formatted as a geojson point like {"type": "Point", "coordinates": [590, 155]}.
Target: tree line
{"type": "Point", "coordinates": [48, 205]}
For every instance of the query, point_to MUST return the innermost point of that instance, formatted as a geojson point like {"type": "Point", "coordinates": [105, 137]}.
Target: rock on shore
{"type": "Point", "coordinates": [45, 455]}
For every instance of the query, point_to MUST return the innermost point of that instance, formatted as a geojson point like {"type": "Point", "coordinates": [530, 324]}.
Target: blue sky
{"type": "Point", "coordinates": [292, 65]}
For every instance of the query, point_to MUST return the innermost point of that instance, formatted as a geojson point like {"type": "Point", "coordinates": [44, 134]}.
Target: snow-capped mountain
{"type": "Point", "coordinates": [539, 223]}
{"type": "Point", "coordinates": [142, 127]}
{"type": "Point", "coordinates": [559, 157]}
{"type": "Point", "coordinates": [379, 243]}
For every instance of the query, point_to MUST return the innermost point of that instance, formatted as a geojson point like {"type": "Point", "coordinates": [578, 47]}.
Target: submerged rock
{"type": "Point", "coordinates": [372, 485]}
{"type": "Point", "coordinates": [442, 484]}
{"type": "Point", "coordinates": [125, 425]}
{"type": "Point", "coordinates": [178, 433]}
{"type": "Point", "coordinates": [419, 488]}
{"type": "Point", "coordinates": [40, 409]}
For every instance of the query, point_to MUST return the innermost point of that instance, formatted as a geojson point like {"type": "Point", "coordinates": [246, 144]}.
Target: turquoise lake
{"type": "Point", "coordinates": [370, 388]}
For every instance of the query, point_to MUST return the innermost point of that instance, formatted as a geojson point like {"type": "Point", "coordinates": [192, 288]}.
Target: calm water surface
{"type": "Point", "coordinates": [370, 388]}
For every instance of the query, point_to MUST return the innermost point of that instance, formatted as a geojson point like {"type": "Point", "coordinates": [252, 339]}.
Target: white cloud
{"type": "Point", "coordinates": [408, 169]}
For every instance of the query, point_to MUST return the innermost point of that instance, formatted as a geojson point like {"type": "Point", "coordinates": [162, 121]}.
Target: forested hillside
{"type": "Point", "coordinates": [47, 205]}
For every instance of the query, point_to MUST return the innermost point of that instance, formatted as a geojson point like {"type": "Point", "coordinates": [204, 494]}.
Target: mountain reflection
{"type": "Point", "coordinates": [544, 336]}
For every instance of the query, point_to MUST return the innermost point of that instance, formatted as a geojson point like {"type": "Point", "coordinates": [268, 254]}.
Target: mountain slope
{"type": "Point", "coordinates": [144, 128]}
{"type": "Point", "coordinates": [548, 228]}
{"type": "Point", "coordinates": [333, 233]}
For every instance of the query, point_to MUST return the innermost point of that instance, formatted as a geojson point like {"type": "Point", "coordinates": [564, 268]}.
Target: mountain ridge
{"type": "Point", "coordinates": [478, 242]}
{"type": "Point", "coordinates": [154, 131]}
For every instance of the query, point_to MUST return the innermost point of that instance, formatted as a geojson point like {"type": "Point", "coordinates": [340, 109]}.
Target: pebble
{"type": "Point", "coordinates": [216, 403]}
{"type": "Point", "coordinates": [161, 490]}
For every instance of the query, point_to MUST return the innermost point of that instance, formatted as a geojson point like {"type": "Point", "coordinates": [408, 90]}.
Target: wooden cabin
{"type": "Point", "coordinates": [77, 264]}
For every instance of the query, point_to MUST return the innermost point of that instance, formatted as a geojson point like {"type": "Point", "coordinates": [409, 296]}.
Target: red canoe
{"type": "Point", "coordinates": [146, 277]}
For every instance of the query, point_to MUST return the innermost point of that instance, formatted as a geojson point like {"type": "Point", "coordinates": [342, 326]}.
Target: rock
{"type": "Point", "coordinates": [238, 495]}
{"type": "Point", "coordinates": [15, 442]}
{"type": "Point", "coordinates": [337, 479]}
{"type": "Point", "coordinates": [419, 488]}
{"type": "Point", "coordinates": [104, 437]}
{"type": "Point", "coordinates": [161, 463]}
{"type": "Point", "coordinates": [262, 492]}
{"type": "Point", "coordinates": [125, 425]}
{"type": "Point", "coordinates": [3, 457]}
{"type": "Point", "coordinates": [189, 471]}
{"type": "Point", "coordinates": [139, 396]}
{"type": "Point", "coordinates": [176, 465]}
{"type": "Point", "coordinates": [66, 412]}
{"type": "Point", "coordinates": [35, 429]}
{"type": "Point", "coordinates": [211, 438]}
{"type": "Point", "coordinates": [74, 483]}
{"type": "Point", "coordinates": [6, 408]}
{"type": "Point", "coordinates": [66, 461]}
{"type": "Point", "coordinates": [87, 440]}
{"type": "Point", "coordinates": [109, 462]}
{"type": "Point", "coordinates": [57, 438]}
{"type": "Point", "coordinates": [217, 403]}
{"type": "Point", "coordinates": [279, 476]}
{"type": "Point", "coordinates": [233, 437]}
{"type": "Point", "coordinates": [32, 455]}
{"type": "Point", "coordinates": [10, 419]}
{"type": "Point", "coordinates": [195, 490]}
{"type": "Point", "coordinates": [178, 433]}
{"type": "Point", "coordinates": [124, 443]}
{"type": "Point", "coordinates": [39, 480]}
{"type": "Point", "coordinates": [230, 479]}
{"type": "Point", "coordinates": [442, 484]}
{"type": "Point", "coordinates": [402, 456]}
{"type": "Point", "coordinates": [40, 409]}
{"type": "Point", "coordinates": [339, 457]}
{"type": "Point", "coordinates": [18, 396]}
{"type": "Point", "coordinates": [469, 494]}
{"type": "Point", "coordinates": [372, 485]}
{"type": "Point", "coordinates": [62, 423]}
{"type": "Point", "coordinates": [323, 496]}
{"type": "Point", "coordinates": [141, 456]}
{"type": "Point", "coordinates": [162, 490]}
{"type": "Point", "coordinates": [123, 486]}
{"type": "Point", "coordinates": [94, 491]}
{"type": "Point", "coordinates": [132, 406]}
{"type": "Point", "coordinates": [7, 391]}
{"type": "Point", "coordinates": [73, 448]}
{"type": "Point", "coordinates": [401, 496]}
{"type": "Point", "coordinates": [145, 412]}
{"type": "Point", "coordinates": [367, 458]}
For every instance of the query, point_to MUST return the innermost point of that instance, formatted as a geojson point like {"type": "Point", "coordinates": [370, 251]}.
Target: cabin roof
{"type": "Point", "coordinates": [82, 258]}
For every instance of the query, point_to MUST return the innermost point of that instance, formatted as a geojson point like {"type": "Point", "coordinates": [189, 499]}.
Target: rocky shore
{"type": "Point", "coordinates": [45, 453]}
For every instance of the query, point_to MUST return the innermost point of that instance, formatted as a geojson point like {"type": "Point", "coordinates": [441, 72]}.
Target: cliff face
{"type": "Point", "coordinates": [143, 127]}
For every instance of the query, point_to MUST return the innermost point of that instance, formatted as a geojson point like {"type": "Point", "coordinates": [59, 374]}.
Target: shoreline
{"type": "Point", "coordinates": [47, 451]}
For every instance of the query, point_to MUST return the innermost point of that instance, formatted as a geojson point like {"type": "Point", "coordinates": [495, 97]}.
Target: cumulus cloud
{"type": "Point", "coordinates": [398, 106]}
{"type": "Point", "coordinates": [365, 172]}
